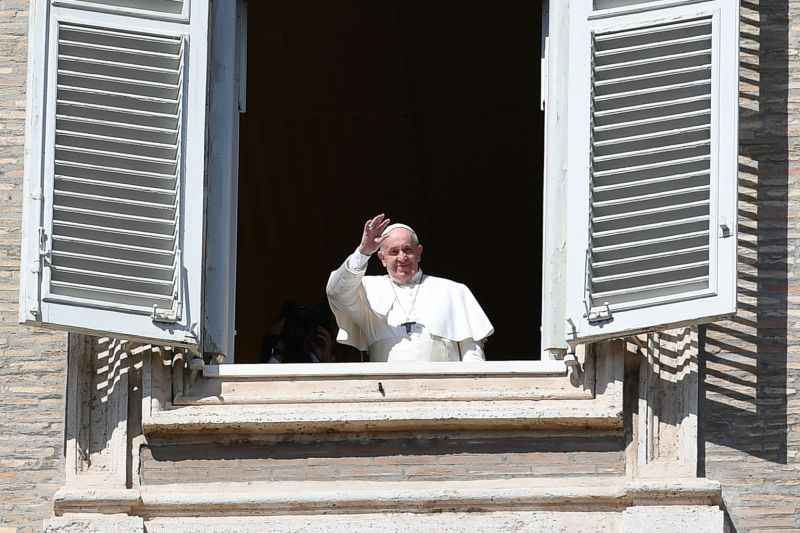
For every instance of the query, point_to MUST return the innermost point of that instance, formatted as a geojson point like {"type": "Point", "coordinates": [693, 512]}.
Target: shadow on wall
{"type": "Point", "coordinates": [743, 418]}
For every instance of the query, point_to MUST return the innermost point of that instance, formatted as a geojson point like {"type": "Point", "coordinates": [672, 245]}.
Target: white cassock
{"type": "Point", "coordinates": [447, 322]}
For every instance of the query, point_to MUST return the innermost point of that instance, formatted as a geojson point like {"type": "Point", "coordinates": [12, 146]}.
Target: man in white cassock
{"type": "Point", "coordinates": [405, 315]}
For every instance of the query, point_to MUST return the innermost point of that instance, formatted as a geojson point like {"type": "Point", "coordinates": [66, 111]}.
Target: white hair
{"type": "Point", "coordinates": [391, 227]}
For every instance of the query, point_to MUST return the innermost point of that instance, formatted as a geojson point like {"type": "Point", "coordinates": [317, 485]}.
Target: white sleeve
{"type": "Point", "coordinates": [344, 289]}
{"type": "Point", "coordinates": [471, 350]}
{"type": "Point", "coordinates": [357, 262]}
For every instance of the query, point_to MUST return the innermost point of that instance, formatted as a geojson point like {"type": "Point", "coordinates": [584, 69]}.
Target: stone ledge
{"type": "Point", "coordinates": [326, 497]}
{"type": "Point", "coordinates": [95, 499]}
{"type": "Point", "coordinates": [386, 416]}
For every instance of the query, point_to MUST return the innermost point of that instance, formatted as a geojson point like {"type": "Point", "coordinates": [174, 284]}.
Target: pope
{"type": "Point", "coordinates": [404, 315]}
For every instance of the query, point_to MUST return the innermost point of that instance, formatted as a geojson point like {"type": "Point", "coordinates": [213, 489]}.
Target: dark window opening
{"type": "Point", "coordinates": [428, 112]}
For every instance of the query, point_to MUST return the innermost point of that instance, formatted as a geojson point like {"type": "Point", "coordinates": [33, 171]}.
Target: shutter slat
{"type": "Point", "coordinates": [131, 154]}
{"type": "Point", "coordinates": [107, 138]}
{"type": "Point", "coordinates": [119, 160]}
{"type": "Point", "coordinates": [643, 227]}
{"type": "Point", "coordinates": [120, 49]}
{"type": "Point", "coordinates": [115, 175]}
{"type": "Point", "coordinates": [166, 210]}
{"type": "Point", "coordinates": [651, 90]}
{"type": "Point", "coordinates": [653, 135]}
{"type": "Point", "coordinates": [647, 257]}
{"type": "Point", "coordinates": [642, 273]}
{"type": "Point", "coordinates": [133, 112]}
{"type": "Point", "coordinates": [163, 241]}
{"type": "Point", "coordinates": [651, 120]}
{"type": "Point", "coordinates": [157, 8]}
{"type": "Point", "coordinates": [648, 212]}
{"type": "Point", "coordinates": [672, 74]}
{"type": "Point", "coordinates": [654, 196]}
{"type": "Point", "coordinates": [651, 181]}
{"type": "Point", "coordinates": [652, 105]}
{"type": "Point", "coordinates": [81, 215]}
{"type": "Point", "coordinates": [116, 130]}
{"type": "Point", "coordinates": [114, 281]}
{"type": "Point", "coordinates": [142, 99]}
{"type": "Point", "coordinates": [651, 32]}
{"type": "Point", "coordinates": [649, 151]}
{"type": "Point", "coordinates": [136, 69]}
{"type": "Point", "coordinates": [137, 85]}
{"type": "Point", "coordinates": [114, 266]}
{"type": "Point", "coordinates": [122, 190]}
{"type": "Point", "coordinates": [650, 45]}
{"type": "Point", "coordinates": [114, 250]}
{"type": "Point", "coordinates": [651, 166]}
{"type": "Point", "coordinates": [107, 113]}
{"type": "Point", "coordinates": [649, 62]}
{"type": "Point", "coordinates": [113, 221]}
{"type": "Point", "coordinates": [138, 41]}
{"type": "Point", "coordinates": [681, 284]}
{"type": "Point", "coordinates": [109, 295]}
{"type": "Point", "coordinates": [660, 241]}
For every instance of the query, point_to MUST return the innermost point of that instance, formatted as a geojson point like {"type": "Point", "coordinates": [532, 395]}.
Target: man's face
{"type": "Point", "coordinates": [400, 255]}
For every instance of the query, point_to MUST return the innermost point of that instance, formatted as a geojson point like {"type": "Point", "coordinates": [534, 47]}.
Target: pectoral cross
{"type": "Point", "coordinates": [408, 326]}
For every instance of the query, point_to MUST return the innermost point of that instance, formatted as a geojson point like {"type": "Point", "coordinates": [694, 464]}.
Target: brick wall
{"type": "Point", "coordinates": [750, 416]}
{"type": "Point", "coordinates": [31, 362]}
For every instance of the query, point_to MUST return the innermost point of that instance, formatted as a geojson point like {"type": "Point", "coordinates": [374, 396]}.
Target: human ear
{"type": "Point", "coordinates": [419, 252]}
{"type": "Point", "coordinates": [380, 256]}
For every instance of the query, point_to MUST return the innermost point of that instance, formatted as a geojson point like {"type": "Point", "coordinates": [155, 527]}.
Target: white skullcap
{"type": "Point", "coordinates": [391, 227]}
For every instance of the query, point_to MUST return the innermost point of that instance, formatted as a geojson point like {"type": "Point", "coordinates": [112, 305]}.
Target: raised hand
{"type": "Point", "coordinates": [371, 237]}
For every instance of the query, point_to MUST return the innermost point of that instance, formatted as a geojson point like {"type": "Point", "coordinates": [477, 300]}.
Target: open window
{"type": "Point", "coordinates": [432, 118]}
{"type": "Point", "coordinates": [142, 222]}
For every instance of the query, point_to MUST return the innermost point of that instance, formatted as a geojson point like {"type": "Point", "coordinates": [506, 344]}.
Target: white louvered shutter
{"type": "Point", "coordinates": [114, 201]}
{"type": "Point", "coordinates": [652, 167]}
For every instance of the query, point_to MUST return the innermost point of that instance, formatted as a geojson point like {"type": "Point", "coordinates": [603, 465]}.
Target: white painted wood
{"type": "Point", "coordinates": [664, 289]}
{"type": "Point", "coordinates": [554, 214]}
{"type": "Point", "coordinates": [613, 8]}
{"type": "Point", "coordinates": [30, 264]}
{"type": "Point", "coordinates": [171, 10]}
{"type": "Point", "coordinates": [74, 308]}
{"type": "Point", "coordinates": [527, 368]}
{"type": "Point", "coordinates": [241, 78]}
{"type": "Point", "coordinates": [223, 178]}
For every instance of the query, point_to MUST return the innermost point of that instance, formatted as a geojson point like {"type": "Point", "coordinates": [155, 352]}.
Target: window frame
{"type": "Point", "coordinates": [220, 257]}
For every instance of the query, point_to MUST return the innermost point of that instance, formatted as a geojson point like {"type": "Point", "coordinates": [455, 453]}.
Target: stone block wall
{"type": "Point", "coordinates": [419, 456]}
{"type": "Point", "coordinates": [750, 414]}
{"type": "Point", "coordinates": [32, 363]}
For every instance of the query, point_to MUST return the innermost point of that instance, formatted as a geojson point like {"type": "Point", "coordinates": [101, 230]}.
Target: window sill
{"type": "Point", "coordinates": [478, 368]}
{"type": "Point", "coordinates": [382, 397]}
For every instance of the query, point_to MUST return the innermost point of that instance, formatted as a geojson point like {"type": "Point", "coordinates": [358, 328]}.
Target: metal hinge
{"type": "Point", "coordinates": [595, 315]}
{"type": "Point", "coordinates": [44, 249]}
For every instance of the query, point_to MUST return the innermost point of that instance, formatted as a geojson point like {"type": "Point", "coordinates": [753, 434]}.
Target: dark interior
{"type": "Point", "coordinates": [426, 111]}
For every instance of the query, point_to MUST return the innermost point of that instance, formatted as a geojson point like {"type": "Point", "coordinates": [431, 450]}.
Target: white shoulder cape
{"type": "Point", "coordinates": [445, 308]}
